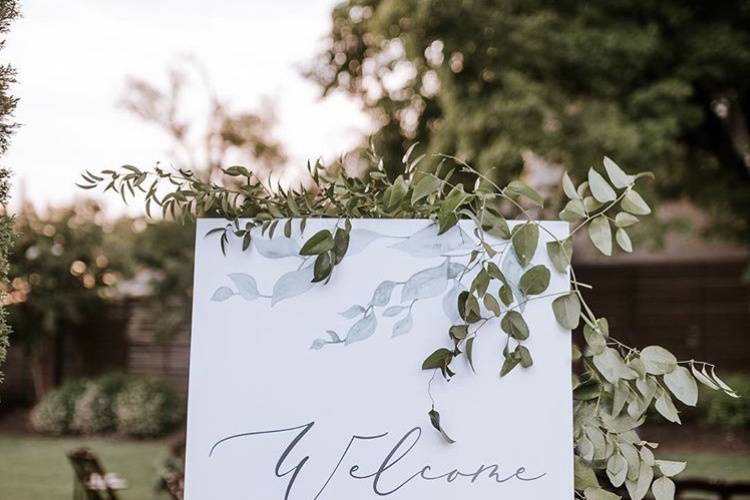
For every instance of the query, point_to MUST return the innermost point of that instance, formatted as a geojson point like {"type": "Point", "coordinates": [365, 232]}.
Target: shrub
{"type": "Point", "coordinates": [147, 407]}
{"type": "Point", "coordinates": [54, 413]}
{"type": "Point", "coordinates": [93, 413]}
{"type": "Point", "coordinates": [723, 412]}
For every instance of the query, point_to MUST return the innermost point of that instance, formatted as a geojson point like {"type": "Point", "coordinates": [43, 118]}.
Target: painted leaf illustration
{"type": "Point", "coordinates": [277, 248]}
{"type": "Point", "coordinates": [221, 294]}
{"type": "Point", "coordinates": [403, 326]}
{"type": "Point", "coordinates": [450, 300]}
{"type": "Point", "coordinates": [359, 239]}
{"type": "Point", "coordinates": [455, 270]}
{"type": "Point", "coordinates": [292, 284]}
{"type": "Point", "coordinates": [393, 311]}
{"type": "Point", "coordinates": [246, 285]}
{"type": "Point", "coordinates": [513, 272]}
{"type": "Point", "coordinates": [427, 242]}
{"type": "Point", "coordinates": [383, 293]}
{"type": "Point", "coordinates": [425, 284]}
{"type": "Point", "coordinates": [353, 312]}
{"type": "Point", "coordinates": [362, 329]}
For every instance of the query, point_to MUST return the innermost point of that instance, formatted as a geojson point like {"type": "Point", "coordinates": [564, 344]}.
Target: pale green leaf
{"type": "Point", "coordinates": [624, 219]}
{"type": "Point", "coordinates": [683, 385]}
{"type": "Point", "coordinates": [658, 360]}
{"type": "Point", "coordinates": [663, 489]}
{"type": "Point", "coordinates": [623, 240]}
{"type": "Point", "coordinates": [633, 203]}
{"type": "Point", "coordinates": [618, 178]}
{"type": "Point", "coordinates": [567, 309]}
{"type": "Point", "coordinates": [600, 233]}
{"type": "Point", "coordinates": [525, 240]}
{"type": "Point", "coordinates": [535, 280]}
{"type": "Point", "coordinates": [600, 188]}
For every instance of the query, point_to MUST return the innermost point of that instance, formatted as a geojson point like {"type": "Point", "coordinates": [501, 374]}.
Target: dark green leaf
{"type": "Point", "coordinates": [320, 242]}
{"type": "Point", "coordinates": [435, 419]}
{"type": "Point", "coordinates": [514, 325]}
{"type": "Point", "coordinates": [535, 280]}
{"type": "Point", "coordinates": [525, 239]}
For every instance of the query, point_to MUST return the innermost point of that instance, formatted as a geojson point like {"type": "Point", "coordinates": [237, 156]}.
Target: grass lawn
{"type": "Point", "coordinates": [33, 468]}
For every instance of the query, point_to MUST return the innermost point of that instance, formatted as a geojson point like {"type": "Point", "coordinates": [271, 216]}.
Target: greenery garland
{"type": "Point", "coordinates": [617, 384]}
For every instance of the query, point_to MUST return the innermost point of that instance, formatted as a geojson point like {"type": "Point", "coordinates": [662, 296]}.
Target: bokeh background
{"type": "Point", "coordinates": [99, 295]}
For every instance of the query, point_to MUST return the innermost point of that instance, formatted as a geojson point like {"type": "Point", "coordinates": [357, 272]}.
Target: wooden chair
{"type": "Point", "coordinates": [91, 482]}
{"type": "Point", "coordinates": [724, 490]}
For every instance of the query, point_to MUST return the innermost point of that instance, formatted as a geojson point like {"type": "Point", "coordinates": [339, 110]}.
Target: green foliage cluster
{"type": "Point", "coordinates": [727, 413]}
{"type": "Point", "coordinates": [664, 85]}
{"type": "Point", "coordinates": [8, 12]}
{"type": "Point", "coordinates": [128, 405]}
{"type": "Point", "coordinates": [617, 385]}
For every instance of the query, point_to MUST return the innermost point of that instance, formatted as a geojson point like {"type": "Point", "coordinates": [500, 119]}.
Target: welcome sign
{"type": "Point", "coordinates": [306, 391]}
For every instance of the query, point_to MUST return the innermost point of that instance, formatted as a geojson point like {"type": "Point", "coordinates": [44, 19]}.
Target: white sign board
{"type": "Point", "coordinates": [302, 391]}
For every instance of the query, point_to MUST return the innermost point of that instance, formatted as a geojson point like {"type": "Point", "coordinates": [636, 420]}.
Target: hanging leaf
{"type": "Point", "coordinates": [682, 384]}
{"type": "Point", "coordinates": [560, 253]}
{"type": "Point", "coordinates": [600, 188]}
{"type": "Point", "coordinates": [633, 203]}
{"type": "Point", "coordinates": [569, 188]}
{"type": "Point", "coordinates": [663, 489]}
{"type": "Point", "coordinates": [437, 359]}
{"type": "Point", "coordinates": [567, 309]}
{"type": "Point", "coordinates": [435, 420]}
{"type": "Point", "coordinates": [624, 219]}
{"type": "Point", "coordinates": [323, 267]}
{"type": "Point", "coordinates": [470, 352]}
{"type": "Point", "coordinates": [666, 408]}
{"type": "Point", "coordinates": [320, 242]}
{"type": "Point", "coordinates": [623, 240]}
{"type": "Point", "coordinates": [619, 179]}
{"type": "Point", "coordinates": [535, 280]}
{"type": "Point", "coordinates": [514, 325]}
{"type": "Point", "coordinates": [657, 360]}
{"type": "Point", "coordinates": [525, 239]}
{"type": "Point", "coordinates": [601, 234]}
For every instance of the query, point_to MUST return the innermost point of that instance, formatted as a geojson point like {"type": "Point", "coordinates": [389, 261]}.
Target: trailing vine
{"type": "Point", "coordinates": [616, 384]}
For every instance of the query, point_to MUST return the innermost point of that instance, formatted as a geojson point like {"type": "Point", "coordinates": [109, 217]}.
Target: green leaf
{"type": "Point", "coordinates": [599, 494]}
{"type": "Point", "coordinates": [437, 359]}
{"type": "Point", "coordinates": [323, 267]}
{"type": "Point", "coordinates": [573, 211]}
{"type": "Point", "coordinates": [633, 203]}
{"type": "Point", "coordinates": [458, 332]}
{"type": "Point", "coordinates": [670, 468]}
{"type": "Point", "coordinates": [514, 325]}
{"type": "Point", "coordinates": [666, 408]}
{"type": "Point", "coordinates": [435, 420]}
{"type": "Point", "coordinates": [511, 361]}
{"type": "Point", "coordinates": [524, 356]}
{"type": "Point", "coordinates": [494, 224]}
{"type": "Point", "coordinates": [506, 294]}
{"type": "Point", "coordinates": [447, 213]}
{"type": "Point", "coordinates": [395, 194]}
{"type": "Point", "coordinates": [624, 219]}
{"type": "Point", "coordinates": [340, 244]}
{"type": "Point", "coordinates": [518, 188]}
{"type": "Point", "coordinates": [525, 239]}
{"type": "Point", "coordinates": [601, 234]}
{"type": "Point", "coordinates": [682, 384]}
{"type": "Point", "coordinates": [612, 367]}
{"type": "Point", "coordinates": [584, 475]}
{"type": "Point", "coordinates": [560, 253]}
{"type": "Point", "coordinates": [623, 240]}
{"type": "Point", "coordinates": [320, 242]}
{"type": "Point", "coordinates": [468, 307]}
{"type": "Point", "coordinates": [663, 489]}
{"type": "Point", "coordinates": [600, 188]}
{"type": "Point", "coordinates": [639, 488]}
{"type": "Point", "coordinates": [657, 360]}
{"type": "Point", "coordinates": [535, 280]}
{"type": "Point", "coordinates": [618, 178]}
{"type": "Point", "coordinates": [426, 186]}
{"type": "Point", "coordinates": [567, 309]}
{"type": "Point", "coordinates": [617, 470]}
{"type": "Point", "coordinates": [491, 304]}
{"type": "Point", "coordinates": [470, 352]}
{"type": "Point", "coordinates": [569, 188]}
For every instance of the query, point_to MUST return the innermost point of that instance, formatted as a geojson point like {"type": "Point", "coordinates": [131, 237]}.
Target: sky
{"type": "Point", "coordinates": [73, 58]}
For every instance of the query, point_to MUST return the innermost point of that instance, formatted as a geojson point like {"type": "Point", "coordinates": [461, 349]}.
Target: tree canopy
{"type": "Point", "coordinates": [8, 12]}
{"type": "Point", "coordinates": [659, 85]}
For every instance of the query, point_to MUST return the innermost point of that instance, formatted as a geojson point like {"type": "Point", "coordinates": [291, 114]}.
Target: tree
{"type": "Point", "coordinates": [208, 143]}
{"type": "Point", "coordinates": [8, 12]}
{"type": "Point", "coordinates": [663, 85]}
{"type": "Point", "coordinates": [65, 269]}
